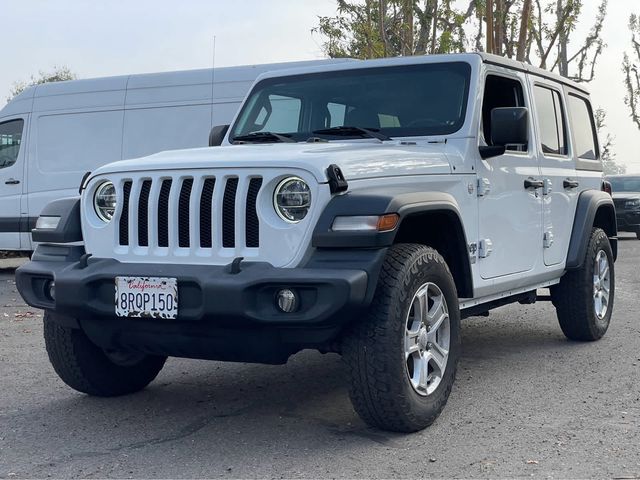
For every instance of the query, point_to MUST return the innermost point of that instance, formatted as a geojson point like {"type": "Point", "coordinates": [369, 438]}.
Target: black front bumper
{"type": "Point", "coordinates": [221, 315]}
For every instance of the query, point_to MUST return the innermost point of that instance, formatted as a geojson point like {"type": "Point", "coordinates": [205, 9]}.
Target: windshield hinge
{"type": "Point", "coordinates": [337, 182]}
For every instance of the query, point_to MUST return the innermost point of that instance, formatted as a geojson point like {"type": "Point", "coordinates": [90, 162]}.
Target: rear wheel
{"type": "Point", "coordinates": [402, 358]}
{"type": "Point", "coordinates": [87, 368]}
{"type": "Point", "coordinates": [584, 297]}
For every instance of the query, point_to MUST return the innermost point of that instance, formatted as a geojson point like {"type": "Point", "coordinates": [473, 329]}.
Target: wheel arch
{"type": "Point", "coordinates": [595, 209]}
{"type": "Point", "coordinates": [446, 235]}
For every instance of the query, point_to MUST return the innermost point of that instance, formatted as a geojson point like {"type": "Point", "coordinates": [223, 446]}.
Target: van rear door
{"type": "Point", "coordinates": [12, 131]}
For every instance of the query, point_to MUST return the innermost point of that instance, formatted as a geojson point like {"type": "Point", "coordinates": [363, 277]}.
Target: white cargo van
{"type": "Point", "coordinates": [52, 134]}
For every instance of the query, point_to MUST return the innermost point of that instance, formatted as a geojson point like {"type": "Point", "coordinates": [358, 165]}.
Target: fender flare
{"type": "Point", "coordinates": [69, 227]}
{"type": "Point", "coordinates": [590, 203]}
{"type": "Point", "coordinates": [380, 201]}
{"type": "Point", "coordinates": [376, 201]}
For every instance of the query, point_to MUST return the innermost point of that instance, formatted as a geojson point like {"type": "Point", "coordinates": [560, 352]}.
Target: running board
{"type": "Point", "coordinates": [527, 294]}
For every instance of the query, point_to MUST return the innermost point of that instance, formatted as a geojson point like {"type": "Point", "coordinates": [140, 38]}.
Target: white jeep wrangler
{"type": "Point", "coordinates": [362, 208]}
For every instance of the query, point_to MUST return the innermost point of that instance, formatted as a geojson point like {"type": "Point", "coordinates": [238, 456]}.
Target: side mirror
{"type": "Point", "coordinates": [509, 126]}
{"type": "Point", "coordinates": [217, 135]}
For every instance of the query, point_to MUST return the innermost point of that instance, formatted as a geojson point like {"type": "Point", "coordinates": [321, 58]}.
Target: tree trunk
{"type": "Point", "coordinates": [490, 26]}
{"type": "Point", "coordinates": [563, 63]}
{"type": "Point", "coordinates": [435, 26]}
{"type": "Point", "coordinates": [499, 27]}
{"type": "Point", "coordinates": [524, 31]}
{"type": "Point", "coordinates": [407, 27]}
{"type": "Point", "coordinates": [382, 27]}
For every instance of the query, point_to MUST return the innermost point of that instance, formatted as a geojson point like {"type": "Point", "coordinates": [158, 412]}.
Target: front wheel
{"type": "Point", "coordinates": [402, 357]}
{"type": "Point", "coordinates": [87, 368]}
{"type": "Point", "coordinates": [584, 297]}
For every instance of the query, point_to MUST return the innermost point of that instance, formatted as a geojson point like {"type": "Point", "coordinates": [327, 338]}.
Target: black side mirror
{"type": "Point", "coordinates": [510, 126]}
{"type": "Point", "coordinates": [217, 135]}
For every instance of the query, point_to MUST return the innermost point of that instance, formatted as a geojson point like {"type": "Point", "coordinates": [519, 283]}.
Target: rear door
{"type": "Point", "coordinates": [12, 154]}
{"type": "Point", "coordinates": [557, 166]}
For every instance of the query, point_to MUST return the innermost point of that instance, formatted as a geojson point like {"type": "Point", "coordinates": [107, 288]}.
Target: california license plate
{"type": "Point", "coordinates": [147, 297]}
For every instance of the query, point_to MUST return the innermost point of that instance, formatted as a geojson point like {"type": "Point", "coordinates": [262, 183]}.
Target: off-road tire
{"type": "Point", "coordinates": [86, 368]}
{"type": "Point", "coordinates": [373, 349]}
{"type": "Point", "coordinates": [573, 296]}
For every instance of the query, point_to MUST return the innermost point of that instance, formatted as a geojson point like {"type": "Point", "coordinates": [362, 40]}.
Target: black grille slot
{"type": "Point", "coordinates": [183, 212]}
{"type": "Point", "coordinates": [124, 217]}
{"type": "Point", "coordinates": [229, 214]}
{"type": "Point", "coordinates": [143, 214]}
{"type": "Point", "coordinates": [163, 213]}
{"type": "Point", "coordinates": [206, 206]}
{"type": "Point", "coordinates": [252, 226]}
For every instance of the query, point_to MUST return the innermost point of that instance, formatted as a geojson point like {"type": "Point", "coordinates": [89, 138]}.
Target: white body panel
{"type": "Point", "coordinates": [77, 126]}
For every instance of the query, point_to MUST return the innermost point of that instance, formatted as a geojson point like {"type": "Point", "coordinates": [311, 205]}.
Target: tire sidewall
{"type": "Point", "coordinates": [427, 266]}
{"type": "Point", "coordinates": [599, 242]}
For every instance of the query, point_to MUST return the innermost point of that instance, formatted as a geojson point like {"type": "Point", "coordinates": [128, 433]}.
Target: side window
{"type": "Point", "coordinates": [500, 92]}
{"type": "Point", "coordinates": [584, 128]}
{"type": "Point", "coordinates": [10, 140]}
{"type": "Point", "coordinates": [551, 123]}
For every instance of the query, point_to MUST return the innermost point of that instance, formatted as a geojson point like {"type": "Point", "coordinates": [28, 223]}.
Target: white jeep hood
{"type": "Point", "coordinates": [358, 160]}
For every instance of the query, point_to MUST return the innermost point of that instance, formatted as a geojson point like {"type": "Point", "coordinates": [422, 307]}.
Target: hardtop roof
{"type": "Point", "coordinates": [472, 57]}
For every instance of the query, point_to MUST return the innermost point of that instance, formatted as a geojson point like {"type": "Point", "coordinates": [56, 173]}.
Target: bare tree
{"type": "Point", "coordinates": [609, 165]}
{"type": "Point", "coordinates": [524, 30]}
{"type": "Point", "coordinates": [383, 28]}
{"type": "Point", "coordinates": [57, 74]}
{"type": "Point", "coordinates": [630, 66]}
{"type": "Point", "coordinates": [540, 32]}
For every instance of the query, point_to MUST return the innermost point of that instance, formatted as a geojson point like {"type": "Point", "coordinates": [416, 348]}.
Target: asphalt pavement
{"type": "Point", "coordinates": [526, 403]}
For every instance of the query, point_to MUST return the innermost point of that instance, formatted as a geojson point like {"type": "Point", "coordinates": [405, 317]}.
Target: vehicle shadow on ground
{"type": "Point", "coordinates": [200, 401]}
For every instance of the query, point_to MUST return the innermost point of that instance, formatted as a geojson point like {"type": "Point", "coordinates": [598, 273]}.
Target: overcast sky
{"type": "Point", "coordinates": [137, 36]}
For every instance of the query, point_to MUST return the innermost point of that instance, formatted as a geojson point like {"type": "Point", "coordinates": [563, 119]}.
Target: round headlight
{"type": "Point", "coordinates": [104, 201]}
{"type": "Point", "coordinates": [292, 199]}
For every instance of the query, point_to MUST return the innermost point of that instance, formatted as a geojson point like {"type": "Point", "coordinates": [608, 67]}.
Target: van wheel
{"type": "Point", "coordinates": [584, 297]}
{"type": "Point", "coordinates": [87, 368]}
{"type": "Point", "coordinates": [401, 358]}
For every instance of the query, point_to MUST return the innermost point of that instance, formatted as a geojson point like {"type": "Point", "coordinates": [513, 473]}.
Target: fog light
{"type": "Point", "coordinates": [287, 300]}
{"type": "Point", "coordinates": [50, 289]}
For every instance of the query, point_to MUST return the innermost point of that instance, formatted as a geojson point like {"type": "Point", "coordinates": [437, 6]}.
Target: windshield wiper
{"type": "Point", "coordinates": [262, 137]}
{"type": "Point", "coordinates": [346, 130]}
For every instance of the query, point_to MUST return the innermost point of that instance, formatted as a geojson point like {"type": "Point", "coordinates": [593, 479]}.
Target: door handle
{"type": "Point", "coordinates": [533, 183]}
{"type": "Point", "coordinates": [568, 183]}
{"type": "Point", "coordinates": [12, 181]}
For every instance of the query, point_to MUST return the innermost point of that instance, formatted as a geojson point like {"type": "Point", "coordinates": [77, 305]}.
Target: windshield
{"type": "Point", "coordinates": [408, 100]}
{"type": "Point", "coordinates": [625, 184]}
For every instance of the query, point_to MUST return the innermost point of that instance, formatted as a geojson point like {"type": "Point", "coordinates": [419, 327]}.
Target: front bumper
{"type": "Point", "coordinates": [216, 307]}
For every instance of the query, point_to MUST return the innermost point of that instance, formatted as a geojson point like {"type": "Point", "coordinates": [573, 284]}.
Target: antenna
{"type": "Point", "coordinates": [213, 77]}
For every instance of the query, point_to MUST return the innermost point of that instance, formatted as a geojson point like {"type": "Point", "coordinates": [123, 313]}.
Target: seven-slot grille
{"type": "Point", "coordinates": [187, 212]}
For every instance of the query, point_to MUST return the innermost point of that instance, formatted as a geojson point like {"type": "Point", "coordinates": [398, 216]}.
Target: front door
{"type": "Point", "coordinates": [509, 211]}
{"type": "Point", "coordinates": [11, 181]}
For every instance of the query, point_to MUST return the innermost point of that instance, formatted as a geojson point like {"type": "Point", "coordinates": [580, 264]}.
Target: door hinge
{"type": "Point", "coordinates": [547, 186]}
{"type": "Point", "coordinates": [485, 247]}
{"type": "Point", "coordinates": [484, 187]}
{"type": "Point", "coordinates": [473, 248]}
{"type": "Point", "coordinates": [547, 239]}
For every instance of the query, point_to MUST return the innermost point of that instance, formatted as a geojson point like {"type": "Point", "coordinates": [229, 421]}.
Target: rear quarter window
{"type": "Point", "coordinates": [586, 148]}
